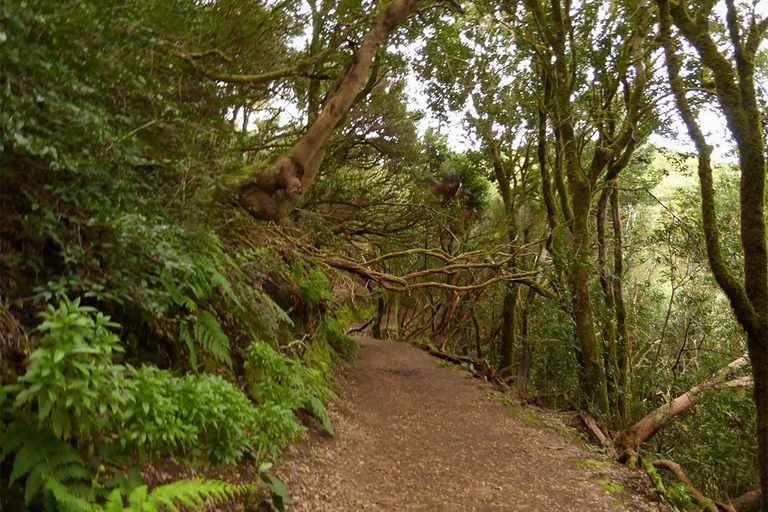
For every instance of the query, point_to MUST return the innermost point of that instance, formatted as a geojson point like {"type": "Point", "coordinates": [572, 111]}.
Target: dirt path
{"type": "Point", "coordinates": [414, 435]}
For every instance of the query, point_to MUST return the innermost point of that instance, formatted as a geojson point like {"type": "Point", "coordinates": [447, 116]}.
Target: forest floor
{"type": "Point", "coordinates": [415, 434]}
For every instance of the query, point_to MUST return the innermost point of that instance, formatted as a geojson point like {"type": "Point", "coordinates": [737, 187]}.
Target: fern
{"type": "Point", "coordinates": [40, 455]}
{"type": "Point", "coordinates": [316, 408]}
{"type": "Point", "coordinates": [208, 334]}
{"type": "Point", "coordinates": [191, 494]}
{"type": "Point", "coordinates": [212, 338]}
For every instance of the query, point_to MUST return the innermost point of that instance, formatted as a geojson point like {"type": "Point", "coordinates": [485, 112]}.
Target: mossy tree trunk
{"type": "Point", "coordinates": [736, 94]}
{"type": "Point", "coordinates": [615, 123]}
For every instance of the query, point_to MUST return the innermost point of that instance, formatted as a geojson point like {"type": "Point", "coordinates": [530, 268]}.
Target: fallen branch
{"type": "Point", "coordinates": [480, 368]}
{"type": "Point", "coordinates": [591, 425]}
{"type": "Point", "coordinates": [631, 438]}
{"type": "Point", "coordinates": [361, 328]}
{"type": "Point", "coordinates": [748, 502]}
{"type": "Point", "coordinates": [706, 503]}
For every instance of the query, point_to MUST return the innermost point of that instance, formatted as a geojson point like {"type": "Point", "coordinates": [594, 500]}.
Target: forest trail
{"type": "Point", "coordinates": [412, 434]}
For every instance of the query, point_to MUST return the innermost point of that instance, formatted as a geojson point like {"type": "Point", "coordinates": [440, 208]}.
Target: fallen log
{"type": "Point", "coordinates": [630, 439]}
{"type": "Point", "coordinates": [748, 502]}
{"type": "Point", "coordinates": [592, 425]}
{"type": "Point", "coordinates": [361, 328]}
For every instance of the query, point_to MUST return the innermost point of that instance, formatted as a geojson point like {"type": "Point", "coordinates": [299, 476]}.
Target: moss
{"type": "Point", "coordinates": [610, 487]}
{"type": "Point", "coordinates": [587, 463]}
{"type": "Point", "coordinates": [619, 502]}
{"type": "Point", "coordinates": [658, 484]}
{"type": "Point", "coordinates": [524, 415]}
{"type": "Point", "coordinates": [501, 400]}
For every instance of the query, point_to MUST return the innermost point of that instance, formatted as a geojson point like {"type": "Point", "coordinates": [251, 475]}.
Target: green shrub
{"type": "Point", "coordinates": [71, 378]}
{"type": "Point", "coordinates": [73, 386]}
{"type": "Point", "coordinates": [153, 423]}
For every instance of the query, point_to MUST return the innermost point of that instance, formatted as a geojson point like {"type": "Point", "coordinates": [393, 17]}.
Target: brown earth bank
{"type": "Point", "coordinates": [413, 434]}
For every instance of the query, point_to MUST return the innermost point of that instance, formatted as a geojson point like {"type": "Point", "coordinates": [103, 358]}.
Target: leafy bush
{"type": "Point", "coordinates": [153, 423]}
{"type": "Point", "coordinates": [226, 420]}
{"type": "Point", "coordinates": [73, 386]}
{"type": "Point", "coordinates": [71, 377]}
{"type": "Point", "coordinates": [276, 383]}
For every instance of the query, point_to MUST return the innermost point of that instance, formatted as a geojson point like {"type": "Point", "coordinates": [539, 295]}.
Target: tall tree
{"type": "Point", "coordinates": [610, 111]}
{"type": "Point", "coordinates": [273, 193]}
{"type": "Point", "coordinates": [733, 71]}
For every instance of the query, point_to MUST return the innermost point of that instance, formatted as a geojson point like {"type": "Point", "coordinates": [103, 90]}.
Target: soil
{"type": "Point", "coordinates": [415, 434]}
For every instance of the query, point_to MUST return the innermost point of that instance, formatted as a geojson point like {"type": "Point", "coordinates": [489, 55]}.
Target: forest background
{"type": "Point", "coordinates": [200, 199]}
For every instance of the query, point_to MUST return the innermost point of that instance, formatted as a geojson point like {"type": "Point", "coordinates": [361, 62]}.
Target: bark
{"type": "Point", "coordinates": [609, 327]}
{"type": "Point", "coordinates": [651, 423]}
{"type": "Point", "coordinates": [273, 193]}
{"type": "Point", "coordinates": [380, 308]}
{"type": "Point", "coordinates": [476, 324]}
{"type": "Point", "coordinates": [508, 327]}
{"type": "Point", "coordinates": [595, 382]}
{"type": "Point", "coordinates": [524, 365]}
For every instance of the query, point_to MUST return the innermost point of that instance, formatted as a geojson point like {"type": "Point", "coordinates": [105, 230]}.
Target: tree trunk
{"type": "Point", "coordinates": [508, 327]}
{"type": "Point", "coordinates": [609, 327]}
{"type": "Point", "coordinates": [595, 383]}
{"type": "Point", "coordinates": [273, 193]}
{"type": "Point", "coordinates": [737, 96]}
{"type": "Point", "coordinates": [376, 329]}
{"type": "Point", "coordinates": [758, 353]}
{"type": "Point", "coordinates": [524, 365]}
{"type": "Point", "coordinates": [622, 332]}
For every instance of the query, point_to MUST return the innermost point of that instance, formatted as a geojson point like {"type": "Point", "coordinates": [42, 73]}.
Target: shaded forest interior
{"type": "Point", "coordinates": [201, 200]}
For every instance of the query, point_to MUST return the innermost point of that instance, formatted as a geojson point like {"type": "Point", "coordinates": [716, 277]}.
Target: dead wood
{"type": "Point", "coordinates": [706, 503]}
{"type": "Point", "coordinates": [480, 368]}
{"type": "Point", "coordinates": [748, 502]}
{"type": "Point", "coordinates": [652, 422]}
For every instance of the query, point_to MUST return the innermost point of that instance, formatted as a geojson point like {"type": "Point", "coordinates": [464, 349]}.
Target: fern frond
{"type": "Point", "coordinates": [186, 337]}
{"type": "Point", "coordinates": [66, 500]}
{"type": "Point", "coordinates": [212, 337]}
{"type": "Point", "coordinates": [17, 435]}
{"type": "Point", "coordinates": [316, 408]}
{"type": "Point", "coordinates": [40, 456]}
{"type": "Point", "coordinates": [114, 502]}
{"type": "Point", "coordinates": [138, 498]}
{"type": "Point", "coordinates": [193, 494]}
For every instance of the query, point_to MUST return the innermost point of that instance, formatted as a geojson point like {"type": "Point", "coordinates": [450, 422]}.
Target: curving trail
{"type": "Point", "coordinates": [414, 435]}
